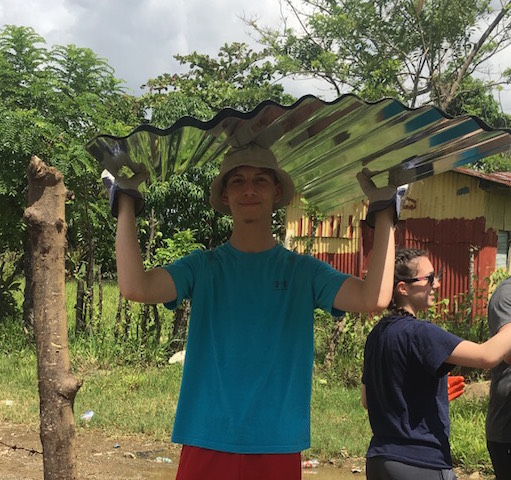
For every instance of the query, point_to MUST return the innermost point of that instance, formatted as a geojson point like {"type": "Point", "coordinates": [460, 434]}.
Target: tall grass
{"type": "Point", "coordinates": [339, 423]}
{"type": "Point", "coordinates": [468, 438]}
{"type": "Point", "coordinates": [99, 345]}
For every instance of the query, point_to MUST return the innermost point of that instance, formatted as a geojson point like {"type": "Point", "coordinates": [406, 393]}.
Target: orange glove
{"type": "Point", "coordinates": [455, 386]}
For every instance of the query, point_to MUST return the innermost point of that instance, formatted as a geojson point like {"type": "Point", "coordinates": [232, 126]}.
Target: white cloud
{"type": "Point", "coordinates": [140, 37]}
{"type": "Point", "coordinates": [49, 21]}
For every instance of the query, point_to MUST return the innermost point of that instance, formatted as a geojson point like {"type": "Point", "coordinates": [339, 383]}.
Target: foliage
{"type": "Point", "coordinates": [181, 203]}
{"type": "Point", "coordinates": [497, 276]}
{"type": "Point", "coordinates": [416, 51]}
{"type": "Point", "coordinates": [118, 337]}
{"type": "Point", "coordinates": [468, 439]}
{"type": "Point", "coordinates": [475, 98]}
{"type": "Point", "coordinates": [182, 243]}
{"type": "Point", "coordinates": [12, 337]}
{"type": "Point", "coordinates": [168, 108]}
{"type": "Point", "coordinates": [340, 428]}
{"type": "Point", "coordinates": [346, 367]}
{"type": "Point", "coordinates": [463, 322]}
{"type": "Point", "coordinates": [315, 217]}
{"type": "Point", "coordinates": [53, 101]}
{"type": "Point", "coordinates": [22, 127]}
{"type": "Point", "coordinates": [495, 163]}
{"type": "Point", "coordinates": [238, 78]}
{"type": "Point", "coordinates": [9, 285]}
{"type": "Point", "coordinates": [101, 349]}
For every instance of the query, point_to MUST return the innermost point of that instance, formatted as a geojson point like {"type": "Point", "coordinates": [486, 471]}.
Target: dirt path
{"type": "Point", "coordinates": [99, 457]}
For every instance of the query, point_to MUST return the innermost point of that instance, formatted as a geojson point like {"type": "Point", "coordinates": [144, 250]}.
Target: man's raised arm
{"type": "Point", "coordinates": [135, 283]}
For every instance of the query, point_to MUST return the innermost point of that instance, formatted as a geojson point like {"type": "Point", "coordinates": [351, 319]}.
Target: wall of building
{"type": "Point", "coordinates": [448, 215]}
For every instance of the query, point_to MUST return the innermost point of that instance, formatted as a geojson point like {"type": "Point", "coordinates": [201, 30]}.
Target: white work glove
{"type": "Point", "coordinates": [379, 198]}
{"type": "Point", "coordinates": [128, 186]}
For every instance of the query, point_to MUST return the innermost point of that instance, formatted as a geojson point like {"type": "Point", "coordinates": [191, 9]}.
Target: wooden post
{"type": "Point", "coordinates": [45, 217]}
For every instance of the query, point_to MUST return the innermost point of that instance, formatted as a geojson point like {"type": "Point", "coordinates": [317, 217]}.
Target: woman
{"type": "Point", "coordinates": [404, 382]}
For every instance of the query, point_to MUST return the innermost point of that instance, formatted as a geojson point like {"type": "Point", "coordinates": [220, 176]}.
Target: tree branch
{"type": "Point", "coordinates": [475, 49]}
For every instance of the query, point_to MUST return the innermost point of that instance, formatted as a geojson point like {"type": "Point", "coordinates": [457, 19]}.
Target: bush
{"type": "Point", "coordinates": [9, 286]}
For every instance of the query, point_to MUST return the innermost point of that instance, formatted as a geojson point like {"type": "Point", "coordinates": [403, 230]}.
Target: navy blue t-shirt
{"type": "Point", "coordinates": [405, 375]}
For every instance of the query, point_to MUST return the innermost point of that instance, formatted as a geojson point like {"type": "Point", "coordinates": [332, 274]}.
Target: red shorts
{"type": "Point", "coordinates": [202, 464]}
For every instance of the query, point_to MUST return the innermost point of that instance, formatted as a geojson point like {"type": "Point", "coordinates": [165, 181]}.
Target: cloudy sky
{"type": "Point", "coordinates": [140, 37]}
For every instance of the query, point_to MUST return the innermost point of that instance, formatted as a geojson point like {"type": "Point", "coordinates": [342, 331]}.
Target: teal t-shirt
{"type": "Point", "coordinates": [247, 374]}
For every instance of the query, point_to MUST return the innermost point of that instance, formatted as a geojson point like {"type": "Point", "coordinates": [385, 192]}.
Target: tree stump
{"type": "Point", "coordinates": [45, 217]}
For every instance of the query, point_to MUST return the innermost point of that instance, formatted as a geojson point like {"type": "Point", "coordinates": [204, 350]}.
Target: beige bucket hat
{"type": "Point", "coordinates": [252, 155]}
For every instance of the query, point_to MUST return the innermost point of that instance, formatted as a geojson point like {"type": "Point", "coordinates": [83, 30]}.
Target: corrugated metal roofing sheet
{"type": "Point", "coordinates": [322, 145]}
{"type": "Point", "coordinates": [503, 178]}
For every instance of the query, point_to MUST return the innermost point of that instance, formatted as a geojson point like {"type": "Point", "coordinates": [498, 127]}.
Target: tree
{"type": "Point", "coordinates": [416, 50]}
{"type": "Point", "coordinates": [45, 217]}
{"type": "Point", "coordinates": [23, 129]}
{"type": "Point", "coordinates": [53, 101]}
{"type": "Point", "coordinates": [239, 78]}
{"type": "Point", "coordinates": [474, 98]}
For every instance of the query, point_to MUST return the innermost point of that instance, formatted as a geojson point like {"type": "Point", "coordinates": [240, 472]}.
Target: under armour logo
{"type": "Point", "coordinates": [280, 285]}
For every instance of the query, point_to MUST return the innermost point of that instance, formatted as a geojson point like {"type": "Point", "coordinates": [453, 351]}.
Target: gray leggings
{"type": "Point", "coordinates": [379, 468]}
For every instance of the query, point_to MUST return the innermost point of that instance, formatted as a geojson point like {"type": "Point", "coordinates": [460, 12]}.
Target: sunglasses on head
{"type": "Point", "coordinates": [430, 278]}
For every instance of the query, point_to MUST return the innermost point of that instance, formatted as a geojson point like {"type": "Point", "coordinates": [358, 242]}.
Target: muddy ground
{"type": "Point", "coordinates": [99, 457]}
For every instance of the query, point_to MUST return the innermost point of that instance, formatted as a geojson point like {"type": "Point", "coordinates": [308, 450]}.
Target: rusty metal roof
{"type": "Point", "coordinates": [502, 178]}
{"type": "Point", "coordinates": [322, 145]}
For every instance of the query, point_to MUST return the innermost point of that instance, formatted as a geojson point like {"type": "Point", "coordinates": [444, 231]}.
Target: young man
{"type": "Point", "coordinates": [244, 404]}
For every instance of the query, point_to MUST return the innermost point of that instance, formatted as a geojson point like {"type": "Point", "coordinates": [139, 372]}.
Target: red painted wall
{"type": "Point", "coordinates": [459, 246]}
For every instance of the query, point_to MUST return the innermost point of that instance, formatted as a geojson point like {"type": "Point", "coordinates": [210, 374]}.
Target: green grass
{"type": "Point", "coordinates": [99, 347]}
{"type": "Point", "coordinates": [132, 400]}
{"type": "Point", "coordinates": [129, 400]}
{"type": "Point", "coordinates": [339, 423]}
{"type": "Point", "coordinates": [124, 399]}
{"type": "Point", "coordinates": [468, 439]}
{"type": "Point", "coordinates": [132, 389]}
{"type": "Point", "coordinates": [18, 372]}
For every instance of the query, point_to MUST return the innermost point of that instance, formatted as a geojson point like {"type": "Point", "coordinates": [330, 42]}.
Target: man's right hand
{"type": "Point", "coordinates": [128, 186]}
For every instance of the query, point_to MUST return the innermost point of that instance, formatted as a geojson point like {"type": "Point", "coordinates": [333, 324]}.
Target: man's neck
{"type": "Point", "coordinates": [252, 240]}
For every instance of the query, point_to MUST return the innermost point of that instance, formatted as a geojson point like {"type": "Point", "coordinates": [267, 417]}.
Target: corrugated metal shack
{"type": "Point", "coordinates": [462, 217]}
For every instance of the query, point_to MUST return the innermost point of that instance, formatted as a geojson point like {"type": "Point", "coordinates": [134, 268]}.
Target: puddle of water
{"type": "Point", "coordinates": [331, 473]}
{"type": "Point", "coordinates": [320, 473]}
{"type": "Point", "coordinates": [323, 472]}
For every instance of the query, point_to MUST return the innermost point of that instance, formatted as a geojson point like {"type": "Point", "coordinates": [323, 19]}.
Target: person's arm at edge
{"type": "Point", "coordinates": [151, 286]}
{"type": "Point", "coordinates": [373, 293]}
{"type": "Point", "coordinates": [483, 355]}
